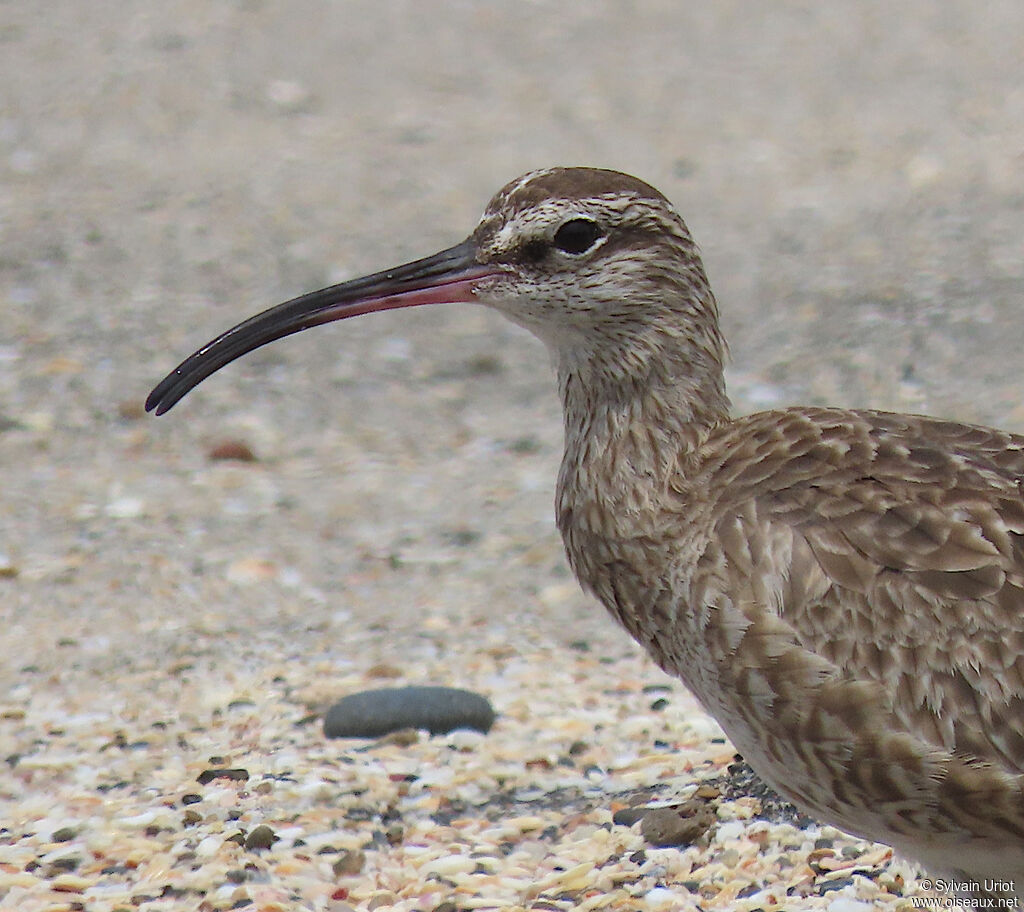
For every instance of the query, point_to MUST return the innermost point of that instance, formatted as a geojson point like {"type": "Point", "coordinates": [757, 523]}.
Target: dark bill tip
{"type": "Point", "coordinates": [446, 277]}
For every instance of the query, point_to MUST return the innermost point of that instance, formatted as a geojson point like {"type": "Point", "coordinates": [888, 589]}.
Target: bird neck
{"type": "Point", "coordinates": [634, 415]}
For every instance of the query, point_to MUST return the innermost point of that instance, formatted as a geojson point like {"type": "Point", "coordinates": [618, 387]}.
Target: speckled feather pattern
{"type": "Point", "coordinates": [841, 589]}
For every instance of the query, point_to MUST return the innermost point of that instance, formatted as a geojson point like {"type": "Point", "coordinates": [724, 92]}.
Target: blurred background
{"type": "Point", "coordinates": [852, 172]}
{"type": "Point", "coordinates": [853, 175]}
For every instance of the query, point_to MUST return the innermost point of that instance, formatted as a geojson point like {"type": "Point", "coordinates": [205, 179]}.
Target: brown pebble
{"type": "Point", "coordinates": [381, 901]}
{"type": "Point", "coordinates": [349, 863]}
{"type": "Point", "coordinates": [191, 818]}
{"type": "Point", "coordinates": [707, 792]}
{"type": "Point", "coordinates": [261, 837]}
{"type": "Point", "coordinates": [824, 861]}
{"type": "Point", "coordinates": [67, 863]}
{"type": "Point", "coordinates": [64, 834]}
{"type": "Point", "coordinates": [384, 670]}
{"type": "Point", "coordinates": [130, 410]}
{"type": "Point", "coordinates": [673, 826]}
{"type": "Point", "coordinates": [237, 450]}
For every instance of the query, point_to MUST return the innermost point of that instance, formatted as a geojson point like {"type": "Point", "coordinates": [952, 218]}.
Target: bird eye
{"type": "Point", "coordinates": [577, 236]}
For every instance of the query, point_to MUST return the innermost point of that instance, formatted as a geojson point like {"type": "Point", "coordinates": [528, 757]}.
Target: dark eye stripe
{"type": "Point", "coordinates": [534, 251]}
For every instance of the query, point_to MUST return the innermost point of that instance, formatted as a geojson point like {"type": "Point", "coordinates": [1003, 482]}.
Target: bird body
{"type": "Point", "coordinates": [822, 581]}
{"type": "Point", "coordinates": [842, 590]}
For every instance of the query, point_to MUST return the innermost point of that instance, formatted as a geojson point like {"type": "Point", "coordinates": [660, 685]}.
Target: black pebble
{"type": "Point", "coordinates": [628, 816]}
{"type": "Point", "coordinates": [208, 775]}
{"type": "Point", "coordinates": [439, 710]}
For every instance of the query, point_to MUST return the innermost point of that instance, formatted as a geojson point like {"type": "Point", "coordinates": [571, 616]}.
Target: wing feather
{"type": "Point", "coordinates": [917, 528]}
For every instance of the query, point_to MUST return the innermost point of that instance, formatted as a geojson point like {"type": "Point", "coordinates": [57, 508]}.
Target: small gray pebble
{"type": "Point", "coordinates": [439, 710]}
{"type": "Point", "coordinates": [64, 834]}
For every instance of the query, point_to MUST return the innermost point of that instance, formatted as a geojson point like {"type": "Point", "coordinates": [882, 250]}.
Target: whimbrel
{"type": "Point", "coordinates": [842, 590]}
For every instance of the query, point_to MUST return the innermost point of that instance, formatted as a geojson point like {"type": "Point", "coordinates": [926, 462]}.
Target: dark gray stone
{"type": "Point", "coordinates": [439, 710]}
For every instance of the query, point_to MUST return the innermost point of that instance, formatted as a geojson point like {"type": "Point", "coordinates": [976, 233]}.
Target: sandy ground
{"type": "Point", "coordinates": [853, 174]}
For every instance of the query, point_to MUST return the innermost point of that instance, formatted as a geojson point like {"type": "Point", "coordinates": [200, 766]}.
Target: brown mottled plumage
{"type": "Point", "coordinates": [842, 590]}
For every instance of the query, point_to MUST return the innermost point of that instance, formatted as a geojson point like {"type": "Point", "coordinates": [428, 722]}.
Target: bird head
{"type": "Point", "coordinates": [596, 263]}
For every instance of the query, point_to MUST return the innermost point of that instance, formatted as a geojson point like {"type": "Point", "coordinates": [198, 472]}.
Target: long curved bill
{"type": "Point", "coordinates": [446, 277]}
